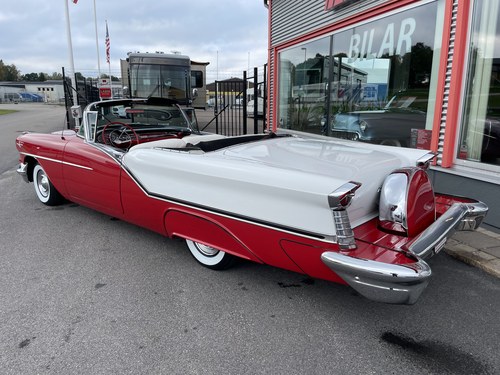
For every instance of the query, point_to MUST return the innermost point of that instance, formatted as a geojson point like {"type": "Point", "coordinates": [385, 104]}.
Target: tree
{"type": "Point", "coordinates": [30, 77]}
{"type": "Point", "coordinates": [55, 76]}
{"type": "Point", "coordinates": [113, 78]}
{"type": "Point", "coordinates": [9, 72]}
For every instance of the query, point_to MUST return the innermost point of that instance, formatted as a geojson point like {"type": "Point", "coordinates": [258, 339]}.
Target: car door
{"type": "Point", "coordinates": [91, 173]}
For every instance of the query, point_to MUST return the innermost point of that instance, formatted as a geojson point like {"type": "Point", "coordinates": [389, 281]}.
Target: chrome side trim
{"type": "Point", "coordinates": [381, 282]}
{"type": "Point", "coordinates": [330, 239]}
{"type": "Point", "coordinates": [57, 161]}
{"type": "Point", "coordinates": [22, 170]}
{"type": "Point", "coordinates": [460, 216]}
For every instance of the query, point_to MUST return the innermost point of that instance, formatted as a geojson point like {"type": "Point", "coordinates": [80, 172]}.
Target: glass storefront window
{"type": "Point", "coordinates": [480, 136]}
{"type": "Point", "coordinates": [373, 83]}
{"type": "Point", "coordinates": [303, 81]}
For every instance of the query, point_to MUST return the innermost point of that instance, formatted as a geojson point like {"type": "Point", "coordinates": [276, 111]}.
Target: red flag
{"type": "Point", "coordinates": [75, 1]}
{"type": "Point", "coordinates": [107, 42]}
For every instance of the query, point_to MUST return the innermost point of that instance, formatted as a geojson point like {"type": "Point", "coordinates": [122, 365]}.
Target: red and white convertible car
{"type": "Point", "coordinates": [358, 214]}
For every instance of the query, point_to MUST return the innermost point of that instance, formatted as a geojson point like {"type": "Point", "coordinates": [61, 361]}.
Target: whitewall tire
{"type": "Point", "coordinates": [45, 191]}
{"type": "Point", "coordinates": [210, 257]}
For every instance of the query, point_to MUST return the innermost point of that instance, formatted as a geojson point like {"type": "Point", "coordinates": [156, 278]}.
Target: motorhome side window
{"type": "Point", "coordinates": [196, 79]}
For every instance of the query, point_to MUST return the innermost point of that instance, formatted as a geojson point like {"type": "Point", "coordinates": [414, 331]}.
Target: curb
{"type": "Point", "coordinates": [475, 257]}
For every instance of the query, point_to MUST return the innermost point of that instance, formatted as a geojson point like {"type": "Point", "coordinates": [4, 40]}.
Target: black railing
{"type": "Point", "coordinates": [233, 102]}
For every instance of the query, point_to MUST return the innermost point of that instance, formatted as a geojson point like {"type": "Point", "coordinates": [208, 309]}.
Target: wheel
{"type": "Point", "coordinates": [45, 191]}
{"type": "Point", "coordinates": [119, 137]}
{"type": "Point", "coordinates": [210, 257]}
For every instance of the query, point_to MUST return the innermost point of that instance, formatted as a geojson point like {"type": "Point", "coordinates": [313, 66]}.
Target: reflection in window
{"type": "Point", "coordinates": [480, 138]}
{"type": "Point", "coordinates": [371, 83]}
{"type": "Point", "coordinates": [303, 81]}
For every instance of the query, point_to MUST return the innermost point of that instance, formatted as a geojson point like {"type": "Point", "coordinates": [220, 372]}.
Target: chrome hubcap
{"type": "Point", "coordinates": [207, 250]}
{"type": "Point", "coordinates": [43, 184]}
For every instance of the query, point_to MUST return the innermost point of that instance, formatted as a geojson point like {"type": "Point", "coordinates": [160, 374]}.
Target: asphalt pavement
{"type": "Point", "coordinates": [83, 293]}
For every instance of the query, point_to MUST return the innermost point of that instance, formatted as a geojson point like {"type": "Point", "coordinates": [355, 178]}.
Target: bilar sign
{"type": "Point", "coordinates": [396, 40]}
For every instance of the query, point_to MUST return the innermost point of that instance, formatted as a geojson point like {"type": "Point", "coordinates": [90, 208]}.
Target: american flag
{"type": "Point", "coordinates": [107, 42]}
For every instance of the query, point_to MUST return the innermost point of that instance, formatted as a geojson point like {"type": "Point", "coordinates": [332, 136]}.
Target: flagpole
{"type": "Point", "coordinates": [70, 51]}
{"type": "Point", "coordinates": [97, 44]}
{"type": "Point", "coordinates": [108, 59]}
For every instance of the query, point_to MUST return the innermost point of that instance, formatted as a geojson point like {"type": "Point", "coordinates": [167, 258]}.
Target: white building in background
{"type": "Point", "coordinates": [47, 91]}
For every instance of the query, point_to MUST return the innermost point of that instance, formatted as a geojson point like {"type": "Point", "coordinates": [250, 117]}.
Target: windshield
{"type": "Point", "coordinates": [143, 120]}
{"type": "Point", "coordinates": [406, 100]}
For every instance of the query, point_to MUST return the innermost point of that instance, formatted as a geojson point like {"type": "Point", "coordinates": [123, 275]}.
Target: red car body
{"type": "Point", "coordinates": [381, 257]}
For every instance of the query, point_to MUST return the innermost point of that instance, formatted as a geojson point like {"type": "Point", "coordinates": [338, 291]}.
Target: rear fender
{"type": "Point", "coordinates": [202, 229]}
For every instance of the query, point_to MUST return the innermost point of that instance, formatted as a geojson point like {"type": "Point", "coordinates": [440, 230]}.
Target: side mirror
{"type": "Point", "coordinates": [195, 93]}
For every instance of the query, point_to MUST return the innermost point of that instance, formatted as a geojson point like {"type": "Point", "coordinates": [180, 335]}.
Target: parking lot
{"type": "Point", "coordinates": [84, 293]}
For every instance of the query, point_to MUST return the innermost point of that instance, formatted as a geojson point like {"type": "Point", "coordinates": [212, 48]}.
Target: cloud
{"type": "Point", "coordinates": [229, 34]}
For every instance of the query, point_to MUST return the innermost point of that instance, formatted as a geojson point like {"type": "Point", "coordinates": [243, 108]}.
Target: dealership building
{"type": "Point", "coordinates": [405, 73]}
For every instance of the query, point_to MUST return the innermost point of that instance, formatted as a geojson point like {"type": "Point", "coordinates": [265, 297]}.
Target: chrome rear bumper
{"type": "Point", "coordinates": [403, 284]}
{"type": "Point", "coordinates": [381, 282]}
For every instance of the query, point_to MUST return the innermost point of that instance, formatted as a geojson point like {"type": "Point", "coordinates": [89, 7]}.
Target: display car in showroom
{"type": "Point", "coordinates": [362, 215]}
{"type": "Point", "coordinates": [399, 123]}
{"type": "Point", "coordinates": [391, 125]}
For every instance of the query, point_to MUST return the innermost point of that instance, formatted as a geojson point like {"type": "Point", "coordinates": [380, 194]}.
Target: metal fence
{"type": "Point", "coordinates": [240, 105]}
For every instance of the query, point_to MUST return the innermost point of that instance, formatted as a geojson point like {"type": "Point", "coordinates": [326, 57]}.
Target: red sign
{"type": "Point", "coordinates": [421, 139]}
{"type": "Point", "coordinates": [335, 4]}
{"type": "Point", "coordinates": [105, 92]}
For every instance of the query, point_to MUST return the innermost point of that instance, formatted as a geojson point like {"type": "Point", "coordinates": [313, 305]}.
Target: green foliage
{"type": "Point", "coordinates": [6, 111]}
{"type": "Point", "coordinates": [113, 78]}
{"type": "Point", "coordinates": [9, 72]}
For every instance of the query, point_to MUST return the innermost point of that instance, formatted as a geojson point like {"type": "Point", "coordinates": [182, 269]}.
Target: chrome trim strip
{"type": "Point", "coordinates": [460, 216]}
{"type": "Point", "coordinates": [381, 282]}
{"type": "Point", "coordinates": [113, 153]}
{"type": "Point", "coordinates": [330, 239]}
{"type": "Point", "coordinates": [57, 161]}
{"type": "Point", "coordinates": [425, 161]}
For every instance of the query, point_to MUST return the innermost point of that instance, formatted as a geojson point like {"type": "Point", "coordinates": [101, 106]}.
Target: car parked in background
{"type": "Point", "coordinates": [120, 111]}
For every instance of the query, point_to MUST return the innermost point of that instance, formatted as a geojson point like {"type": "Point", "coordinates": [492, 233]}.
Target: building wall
{"type": "Point", "coordinates": [53, 92]}
{"type": "Point", "coordinates": [297, 23]}
{"type": "Point", "coordinates": [50, 91]}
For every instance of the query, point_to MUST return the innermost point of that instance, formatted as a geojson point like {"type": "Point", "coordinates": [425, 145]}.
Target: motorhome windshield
{"type": "Point", "coordinates": [160, 81]}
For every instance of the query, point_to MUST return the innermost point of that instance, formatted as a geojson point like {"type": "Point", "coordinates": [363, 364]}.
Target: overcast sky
{"type": "Point", "coordinates": [229, 34]}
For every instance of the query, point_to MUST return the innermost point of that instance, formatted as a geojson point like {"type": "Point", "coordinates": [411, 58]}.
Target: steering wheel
{"type": "Point", "coordinates": [121, 137]}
